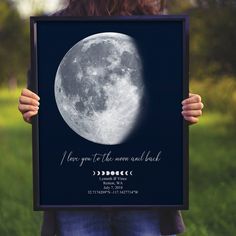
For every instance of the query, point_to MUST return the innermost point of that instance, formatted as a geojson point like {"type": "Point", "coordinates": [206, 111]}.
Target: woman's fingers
{"type": "Point", "coordinates": [28, 100]}
{"type": "Point", "coordinates": [28, 115]}
{"type": "Point", "coordinates": [195, 113]}
{"type": "Point", "coordinates": [194, 98]}
{"type": "Point", "coordinates": [23, 108]}
{"type": "Point", "coordinates": [191, 119]}
{"type": "Point", "coordinates": [27, 93]}
{"type": "Point", "coordinates": [193, 106]}
{"type": "Point", "coordinates": [28, 104]}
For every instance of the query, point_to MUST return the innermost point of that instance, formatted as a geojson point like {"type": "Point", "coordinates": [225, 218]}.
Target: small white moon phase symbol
{"type": "Point", "coordinates": [131, 172]}
{"type": "Point", "coordinates": [94, 173]}
{"type": "Point", "coordinates": [99, 87]}
{"type": "Point", "coordinates": [127, 172]}
{"type": "Point", "coordinates": [103, 172]}
{"type": "Point", "coordinates": [122, 172]}
{"type": "Point", "coordinates": [98, 172]}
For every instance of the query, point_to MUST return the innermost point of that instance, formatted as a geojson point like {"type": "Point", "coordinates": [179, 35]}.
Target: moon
{"type": "Point", "coordinates": [99, 87]}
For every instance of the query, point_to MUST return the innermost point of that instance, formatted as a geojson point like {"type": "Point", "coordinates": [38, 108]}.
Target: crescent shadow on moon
{"type": "Point", "coordinates": [99, 88]}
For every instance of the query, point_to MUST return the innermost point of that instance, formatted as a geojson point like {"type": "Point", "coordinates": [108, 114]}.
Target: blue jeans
{"type": "Point", "coordinates": [108, 222]}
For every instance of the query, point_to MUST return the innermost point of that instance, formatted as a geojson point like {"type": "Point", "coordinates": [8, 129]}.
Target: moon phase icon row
{"type": "Point", "coordinates": [117, 173]}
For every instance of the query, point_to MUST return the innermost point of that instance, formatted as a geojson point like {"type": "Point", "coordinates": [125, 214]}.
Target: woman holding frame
{"type": "Point", "coordinates": [110, 222]}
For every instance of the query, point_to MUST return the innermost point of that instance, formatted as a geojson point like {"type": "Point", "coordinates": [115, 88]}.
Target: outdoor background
{"type": "Point", "coordinates": [212, 141]}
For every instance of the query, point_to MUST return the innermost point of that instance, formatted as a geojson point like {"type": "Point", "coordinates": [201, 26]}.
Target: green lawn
{"type": "Point", "coordinates": [212, 175]}
{"type": "Point", "coordinates": [16, 215]}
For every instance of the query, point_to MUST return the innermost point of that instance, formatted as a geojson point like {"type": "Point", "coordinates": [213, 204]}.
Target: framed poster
{"type": "Point", "coordinates": [109, 132]}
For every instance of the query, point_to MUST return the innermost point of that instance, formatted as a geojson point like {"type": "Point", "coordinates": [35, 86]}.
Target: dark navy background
{"type": "Point", "coordinates": [161, 47]}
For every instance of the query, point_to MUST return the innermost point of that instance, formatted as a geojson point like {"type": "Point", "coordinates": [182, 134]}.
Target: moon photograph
{"type": "Point", "coordinates": [99, 87]}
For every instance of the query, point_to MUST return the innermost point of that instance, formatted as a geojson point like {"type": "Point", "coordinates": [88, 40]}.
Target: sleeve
{"type": "Point", "coordinates": [49, 225]}
{"type": "Point", "coordinates": [171, 222]}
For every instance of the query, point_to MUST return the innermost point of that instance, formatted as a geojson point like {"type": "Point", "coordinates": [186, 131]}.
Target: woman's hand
{"type": "Point", "coordinates": [28, 104]}
{"type": "Point", "coordinates": [192, 108]}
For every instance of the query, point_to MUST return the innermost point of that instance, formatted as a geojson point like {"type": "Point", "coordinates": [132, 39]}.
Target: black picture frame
{"type": "Point", "coordinates": [49, 35]}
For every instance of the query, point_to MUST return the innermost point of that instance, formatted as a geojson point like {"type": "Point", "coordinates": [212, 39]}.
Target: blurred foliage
{"type": "Point", "coordinates": [218, 95]}
{"type": "Point", "coordinates": [212, 36]}
{"type": "Point", "coordinates": [212, 45]}
{"type": "Point", "coordinates": [14, 50]}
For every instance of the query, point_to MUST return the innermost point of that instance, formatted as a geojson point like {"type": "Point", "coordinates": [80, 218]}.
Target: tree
{"type": "Point", "coordinates": [212, 35]}
{"type": "Point", "coordinates": [14, 53]}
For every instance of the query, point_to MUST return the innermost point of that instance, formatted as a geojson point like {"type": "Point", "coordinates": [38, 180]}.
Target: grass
{"type": "Point", "coordinates": [16, 215]}
{"type": "Point", "coordinates": [212, 175]}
